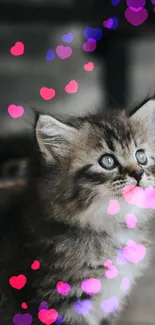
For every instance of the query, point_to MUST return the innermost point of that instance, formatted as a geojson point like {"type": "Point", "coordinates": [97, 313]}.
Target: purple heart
{"type": "Point", "coordinates": [90, 45]}
{"type": "Point", "coordinates": [135, 3]}
{"type": "Point", "coordinates": [43, 305]}
{"type": "Point", "coordinates": [115, 22]}
{"type": "Point", "coordinates": [63, 52]}
{"type": "Point", "coordinates": [136, 18]}
{"type": "Point", "coordinates": [95, 33]}
{"type": "Point", "coordinates": [22, 319]}
{"type": "Point", "coordinates": [68, 37]}
{"type": "Point", "coordinates": [83, 307]}
{"type": "Point", "coordinates": [111, 23]}
{"type": "Point", "coordinates": [108, 23]}
{"type": "Point", "coordinates": [110, 305]}
{"type": "Point", "coordinates": [50, 55]}
{"type": "Point", "coordinates": [115, 2]}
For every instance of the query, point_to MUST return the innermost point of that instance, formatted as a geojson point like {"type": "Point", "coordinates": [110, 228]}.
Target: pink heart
{"type": "Point", "coordinates": [107, 264]}
{"type": "Point", "coordinates": [131, 220]}
{"type": "Point", "coordinates": [24, 305]}
{"type": "Point", "coordinates": [112, 272]}
{"type": "Point", "coordinates": [35, 265]}
{"type": "Point", "coordinates": [143, 198]}
{"type": "Point", "coordinates": [90, 45]}
{"type": "Point", "coordinates": [18, 282]}
{"type": "Point", "coordinates": [63, 52]}
{"type": "Point", "coordinates": [91, 286]}
{"type": "Point", "coordinates": [134, 252]}
{"type": "Point", "coordinates": [47, 317]}
{"type": "Point", "coordinates": [47, 93]}
{"type": "Point", "coordinates": [15, 111]}
{"type": "Point", "coordinates": [63, 288]}
{"type": "Point", "coordinates": [89, 66]}
{"type": "Point", "coordinates": [17, 49]}
{"type": "Point", "coordinates": [113, 207]}
{"type": "Point", "coordinates": [72, 87]}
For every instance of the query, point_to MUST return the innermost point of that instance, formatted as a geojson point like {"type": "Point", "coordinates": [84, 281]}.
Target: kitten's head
{"type": "Point", "coordinates": [89, 160]}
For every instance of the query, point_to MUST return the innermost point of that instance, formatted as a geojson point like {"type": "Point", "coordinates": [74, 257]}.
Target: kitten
{"type": "Point", "coordinates": [74, 220]}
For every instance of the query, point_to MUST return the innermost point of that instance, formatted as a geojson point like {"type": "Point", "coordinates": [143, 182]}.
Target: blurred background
{"type": "Point", "coordinates": [120, 43]}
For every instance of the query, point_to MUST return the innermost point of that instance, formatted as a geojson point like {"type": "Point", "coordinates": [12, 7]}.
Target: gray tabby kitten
{"type": "Point", "coordinates": [84, 216]}
{"type": "Point", "coordinates": [97, 157]}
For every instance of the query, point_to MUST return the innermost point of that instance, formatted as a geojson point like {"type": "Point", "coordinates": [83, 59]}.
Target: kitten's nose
{"type": "Point", "coordinates": [137, 174]}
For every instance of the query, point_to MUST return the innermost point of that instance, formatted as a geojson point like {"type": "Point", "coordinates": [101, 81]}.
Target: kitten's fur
{"type": "Point", "coordinates": [61, 217]}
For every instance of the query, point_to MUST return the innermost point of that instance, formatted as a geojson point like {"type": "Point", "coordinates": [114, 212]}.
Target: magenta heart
{"type": "Point", "coordinates": [134, 252]}
{"type": "Point", "coordinates": [63, 52]}
{"type": "Point", "coordinates": [91, 286]}
{"type": "Point", "coordinates": [136, 18]}
{"type": "Point", "coordinates": [112, 272]}
{"type": "Point", "coordinates": [63, 288]}
{"type": "Point", "coordinates": [22, 319]}
{"type": "Point", "coordinates": [90, 45]}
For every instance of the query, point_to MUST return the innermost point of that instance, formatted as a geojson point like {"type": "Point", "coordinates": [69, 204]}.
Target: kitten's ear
{"type": "Point", "coordinates": [54, 137]}
{"type": "Point", "coordinates": [146, 112]}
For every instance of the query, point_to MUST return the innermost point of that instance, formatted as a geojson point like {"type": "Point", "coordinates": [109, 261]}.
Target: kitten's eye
{"type": "Point", "coordinates": [141, 157]}
{"type": "Point", "coordinates": [107, 162]}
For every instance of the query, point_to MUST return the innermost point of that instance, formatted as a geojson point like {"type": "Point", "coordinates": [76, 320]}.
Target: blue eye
{"type": "Point", "coordinates": [141, 157]}
{"type": "Point", "coordinates": [108, 162]}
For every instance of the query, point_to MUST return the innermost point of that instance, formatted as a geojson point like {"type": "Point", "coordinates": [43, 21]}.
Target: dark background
{"type": "Point", "coordinates": [124, 74]}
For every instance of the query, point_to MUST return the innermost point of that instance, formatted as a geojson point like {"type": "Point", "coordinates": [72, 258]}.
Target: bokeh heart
{"type": "Point", "coordinates": [22, 319]}
{"type": "Point", "coordinates": [24, 305]}
{"type": "Point", "coordinates": [18, 282]}
{"type": "Point", "coordinates": [35, 265]}
{"type": "Point", "coordinates": [89, 66]}
{"type": "Point", "coordinates": [17, 49]}
{"type": "Point", "coordinates": [131, 220]}
{"type": "Point", "coordinates": [50, 55]}
{"type": "Point", "coordinates": [63, 288]}
{"type": "Point", "coordinates": [140, 197]}
{"type": "Point", "coordinates": [48, 317]}
{"type": "Point", "coordinates": [47, 93]}
{"type": "Point", "coordinates": [107, 264]}
{"type": "Point", "coordinates": [90, 45]}
{"type": "Point", "coordinates": [68, 37]}
{"type": "Point", "coordinates": [134, 252]}
{"type": "Point", "coordinates": [72, 87]}
{"type": "Point", "coordinates": [111, 272]}
{"type": "Point", "coordinates": [95, 33]}
{"type": "Point", "coordinates": [136, 16]}
{"type": "Point", "coordinates": [63, 52]}
{"type": "Point", "coordinates": [91, 286]}
{"type": "Point", "coordinates": [43, 305]}
{"type": "Point", "coordinates": [108, 23]}
{"type": "Point", "coordinates": [113, 207]}
{"type": "Point", "coordinates": [110, 305]}
{"type": "Point", "coordinates": [15, 111]}
{"type": "Point", "coordinates": [83, 307]}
